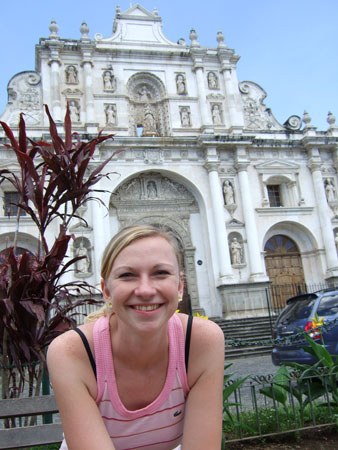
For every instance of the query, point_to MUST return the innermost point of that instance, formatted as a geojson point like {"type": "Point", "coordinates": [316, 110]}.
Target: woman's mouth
{"type": "Point", "coordinates": [146, 307]}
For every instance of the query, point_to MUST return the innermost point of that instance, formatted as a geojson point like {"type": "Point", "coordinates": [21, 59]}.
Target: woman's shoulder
{"type": "Point", "coordinates": [203, 330]}
{"type": "Point", "coordinates": [206, 347]}
{"type": "Point", "coordinates": [69, 344]}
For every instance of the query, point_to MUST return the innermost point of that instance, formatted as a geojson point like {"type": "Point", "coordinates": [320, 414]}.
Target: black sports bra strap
{"type": "Point", "coordinates": [187, 342]}
{"type": "Point", "coordinates": [88, 350]}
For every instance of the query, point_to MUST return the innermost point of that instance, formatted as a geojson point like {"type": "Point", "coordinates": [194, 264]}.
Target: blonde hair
{"type": "Point", "coordinates": [119, 242]}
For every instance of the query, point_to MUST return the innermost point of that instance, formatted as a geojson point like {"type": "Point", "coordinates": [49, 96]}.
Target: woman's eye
{"type": "Point", "coordinates": [162, 272]}
{"type": "Point", "coordinates": [126, 275]}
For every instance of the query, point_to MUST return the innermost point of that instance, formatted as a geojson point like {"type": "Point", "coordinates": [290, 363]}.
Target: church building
{"type": "Point", "coordinates": [252, 202]}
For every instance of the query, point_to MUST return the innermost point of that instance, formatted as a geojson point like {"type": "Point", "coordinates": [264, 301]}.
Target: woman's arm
{"type": "Point", "coordinates": [74, 387]}
{"type": "Point", "coordinates": [204, 411]}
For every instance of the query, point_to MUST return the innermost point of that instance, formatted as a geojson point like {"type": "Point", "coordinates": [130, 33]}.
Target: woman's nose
{"type": "Point", "coordinates": [145, 287]}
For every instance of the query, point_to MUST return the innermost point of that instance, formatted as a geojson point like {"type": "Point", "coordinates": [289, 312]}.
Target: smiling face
{"type": "Point", "coordinates": [144, 283]}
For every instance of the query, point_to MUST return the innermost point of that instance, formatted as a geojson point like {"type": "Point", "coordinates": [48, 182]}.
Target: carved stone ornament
{"type": "Point", "coordinates": [185, 116]}
{"type": "Point", "coordinates": [110, 112]}
{"type": "Point", "coordinates": [256, 114]}
{"type": "Point", "coordinates": [71, 74]}
{"type": "Point", "coordinates": [236, 251]}
{"type": "Point", "coordinates": [25, 95]}
{"type": "Point", "coordinates": [153, 188]}
{"type": "Point", "coordinates": [330, 190]}
{"type": "Point", "coordinates": [153, 156]}
{"type": "Point", "coordinates": [216, 114]}
{"type": "Point", "coordinates": [228, 192]}
{"type": "Point", "coordinates": [74, 108]}
{"type": "Point", "coordinates": [148, 106]}
{"type": "Point", "coordinates": [109, 80]}
{"type": "Point", "coordinates": [82, 249]}
{"type": "Point", "coordinates": [181, 84]}
{"type": "Point", "coordinates": [212, 80]}
{"type": "Point", "coordinates": [293, 123]}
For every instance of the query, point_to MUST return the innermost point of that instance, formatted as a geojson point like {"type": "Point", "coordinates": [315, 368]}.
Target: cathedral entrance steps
{"type": "Point", "coordinates": [246, 336]}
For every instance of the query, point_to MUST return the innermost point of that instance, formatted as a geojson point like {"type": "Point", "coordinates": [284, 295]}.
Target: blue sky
{"type": "Point", "coordinates": [288, 47]}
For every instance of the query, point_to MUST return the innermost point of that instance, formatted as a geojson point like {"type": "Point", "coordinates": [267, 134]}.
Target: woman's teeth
{"type": "Point", "coordinates": [146, 307]}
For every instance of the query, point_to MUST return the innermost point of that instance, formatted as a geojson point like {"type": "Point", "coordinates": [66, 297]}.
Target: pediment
{"type": "Point", "coordinates": [138, 11]}
{"type": "Point", "coordinates": [137, 26]}
{"type": "Point", "coordinates": [276, 165]}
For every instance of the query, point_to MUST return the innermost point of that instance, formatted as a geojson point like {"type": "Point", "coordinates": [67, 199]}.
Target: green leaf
{"type": "Point", "coordinates": [320, 351]}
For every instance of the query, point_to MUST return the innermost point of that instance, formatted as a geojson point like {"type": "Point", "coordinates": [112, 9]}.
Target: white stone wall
{"type": "Point", "coordinates": [195, 146]}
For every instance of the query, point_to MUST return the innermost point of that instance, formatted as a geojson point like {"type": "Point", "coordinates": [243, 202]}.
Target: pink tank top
{"type": "Point", "coordinates": [158, 426]}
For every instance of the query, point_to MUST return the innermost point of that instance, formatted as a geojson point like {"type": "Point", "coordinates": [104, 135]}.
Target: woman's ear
{"type": "Point", "coordinates": [181, 284]}
{"type": "Point", "coordinates": [105, 290]}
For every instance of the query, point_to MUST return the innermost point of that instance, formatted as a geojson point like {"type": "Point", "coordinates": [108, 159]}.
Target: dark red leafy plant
{"type": "Point", "coordinates": [53, 181]}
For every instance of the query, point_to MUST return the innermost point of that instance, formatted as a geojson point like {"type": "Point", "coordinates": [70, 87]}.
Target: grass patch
{"type": "Point", "coordinates": [46, 447]}
{"type": "Point", "coordinates": [271, 420]}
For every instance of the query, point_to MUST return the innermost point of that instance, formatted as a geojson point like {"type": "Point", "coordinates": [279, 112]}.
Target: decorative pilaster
{"type": "Point", "coordinates": [101, 229]}
{"type": "Point", "coordinates": [54, 62]}
{"type": "Point", "coordinates": [228, 60]}
{"type": "Point", "coordinates": [197, 55]}
{"type": "Point", "coordinates": [315, 164]}
{"type": "Point", "coordinates": [254, 254]}
{"type": "Point", "coordinates": [87, 48]}
{"type": "Point", "coordinates": [225, 270]}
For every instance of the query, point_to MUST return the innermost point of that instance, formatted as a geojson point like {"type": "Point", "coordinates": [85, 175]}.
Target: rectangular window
{"type": "Point", "coordinates": [274, 195]}
{"type": "Point", "coordinates": [10, 201]}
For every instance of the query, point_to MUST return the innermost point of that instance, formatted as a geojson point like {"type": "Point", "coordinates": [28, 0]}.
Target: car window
{"type": "Point", "coordinates": [298, 309]}
{"type": "Point", "coordinates": [328, 305]}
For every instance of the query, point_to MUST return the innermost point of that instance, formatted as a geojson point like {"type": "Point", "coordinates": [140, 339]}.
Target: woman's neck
{"type": "Point", "coordinates": [138, 350]}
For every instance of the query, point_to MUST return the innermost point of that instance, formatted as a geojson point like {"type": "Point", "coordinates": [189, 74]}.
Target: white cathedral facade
{"type": "Point", "coordinates": [251, 201]}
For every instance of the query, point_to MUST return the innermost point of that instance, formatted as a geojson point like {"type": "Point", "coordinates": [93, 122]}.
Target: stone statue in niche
{"type": "Point", "coordinates": [83, 264]}
{"type": "Point", "coordinates": [71, 75]}
{"type": "Point", "coordinates": [236, 252]}
{"type": "Point", "coordinates": [330, 190]}
{"type": "Point", "coordinates": [228, 192]}
{"type": "Point", "coordinates": [149, 125]}
{"type": "Point", "coordinates": [108, 80]}
{"type": "Point", "coordinates": [212, 80]}
{"type": "Point", "coordinates": [185, 117]}
{"type": "Point", "coordinates": [110, 111]}
{"type": "Point", "coordinates": [74, 109]}
{"type": "Point", "coordinates": [151, 190]}
{"type": "Point", "coordinates": [144, 94]}
{"type": "Point", "coordinates": [216, 115]}
{"type": "Point", "coordinates": [180, 84]}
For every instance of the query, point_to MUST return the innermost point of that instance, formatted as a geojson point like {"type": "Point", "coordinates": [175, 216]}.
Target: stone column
{"type": "Point", "coordinates": [87, 68]}
{"type": "Point", "coordinates": [233, 99]}
{"type": "Point", "coordinates": [315, 164]}
{"type": "Point", "coordinates": [225, 270]}
{"type": "Point", "coordinates": [203, 106]}
{"type": "Point", "coordinates": [228, 61]}
{"type": "Point", "coordinates": [55, 89]}
{"type": "Point", "coordinates": [101, 232]}
{"type": "Point", "coordinates": [87, 48]}
{"type": "Point", "coordinates": [197, 55]}
{"type": "Point", "coordinates": [254, 253]}
{"type": "Point", "coordinates": [54, 62]}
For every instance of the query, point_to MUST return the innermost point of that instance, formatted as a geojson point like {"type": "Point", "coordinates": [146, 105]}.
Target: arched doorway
{"type": "Point", "coordinates": [284, 267]}
{"type": "Point", "coordinates": [155, 199]}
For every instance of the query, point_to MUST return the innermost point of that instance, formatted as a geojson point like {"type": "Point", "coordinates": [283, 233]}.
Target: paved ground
{"type": "Point", "coordinates": [259, 367]}
{"type": "Point", "coordinates": [255, 365]}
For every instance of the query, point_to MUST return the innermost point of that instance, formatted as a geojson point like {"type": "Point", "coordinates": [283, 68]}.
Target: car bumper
{"type": "Point", "coordinates": [283, 355]}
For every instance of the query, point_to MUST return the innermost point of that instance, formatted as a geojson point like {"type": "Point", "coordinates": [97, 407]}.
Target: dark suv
{"type": "Point", "coordinates": [297, 316]}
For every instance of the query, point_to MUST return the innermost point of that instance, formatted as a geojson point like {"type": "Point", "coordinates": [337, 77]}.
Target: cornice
{"type": "Point", "coordinates": [281, 211]}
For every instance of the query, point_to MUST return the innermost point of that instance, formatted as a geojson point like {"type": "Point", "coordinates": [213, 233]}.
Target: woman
{"type": "Point", "coordinates": [144, 394]}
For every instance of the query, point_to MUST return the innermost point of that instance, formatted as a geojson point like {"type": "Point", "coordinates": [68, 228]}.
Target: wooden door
{"type": "Point", "coordinates": [284, 267]}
